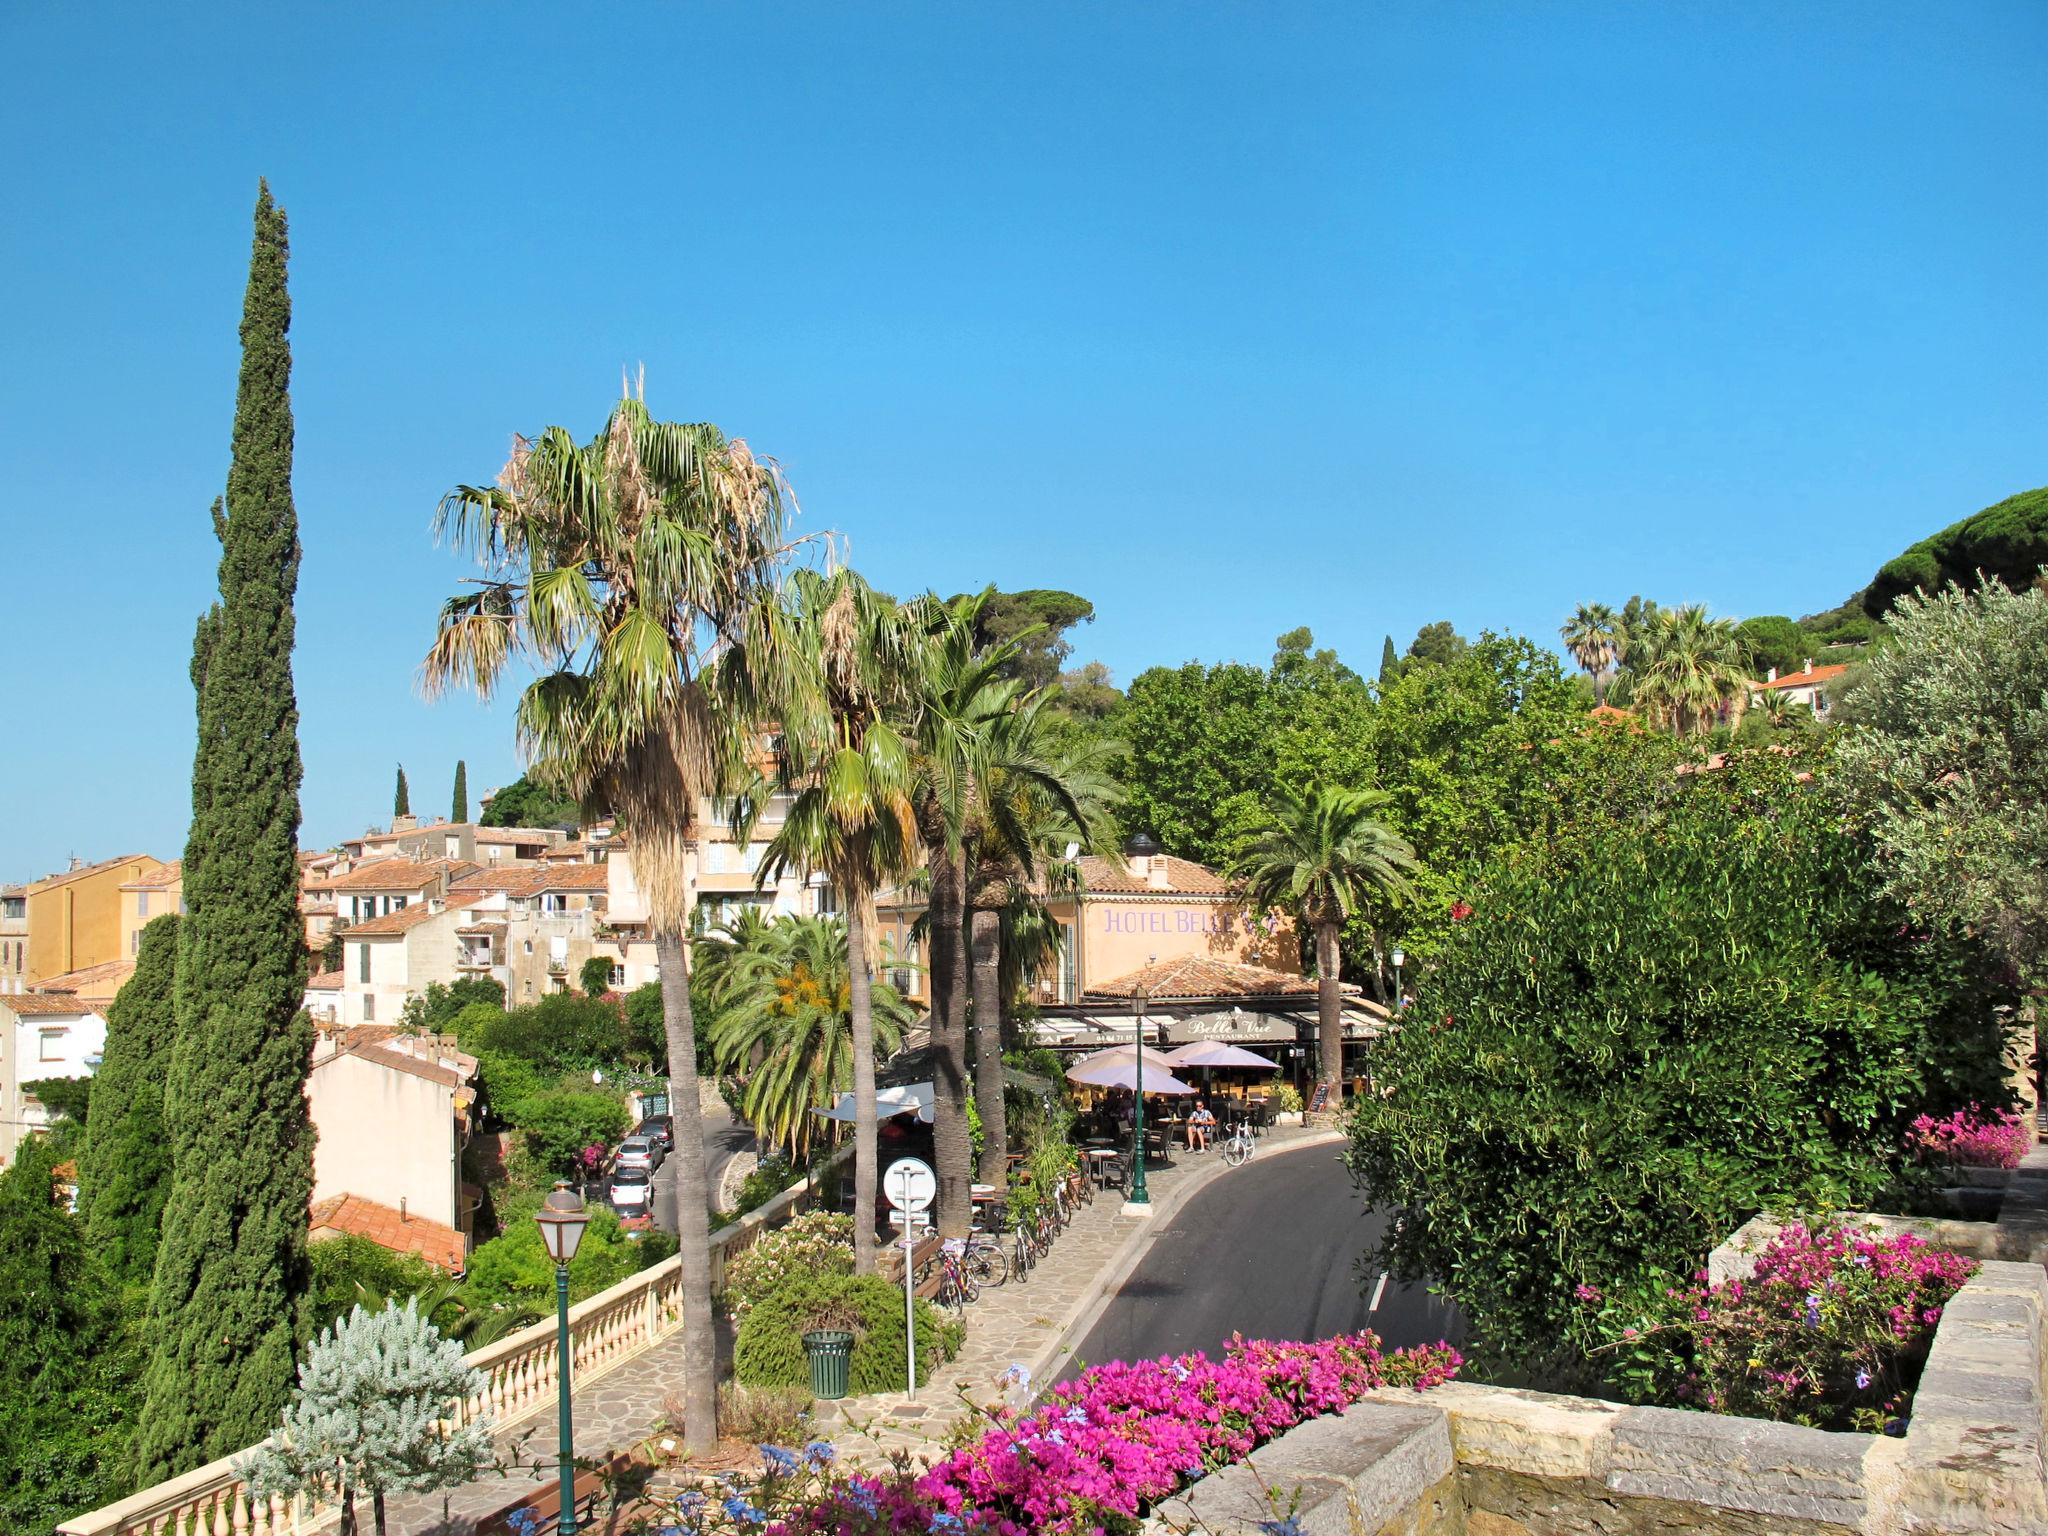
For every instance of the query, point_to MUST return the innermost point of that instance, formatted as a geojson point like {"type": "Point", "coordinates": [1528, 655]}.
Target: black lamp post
{"type": "Point", "coordinates": [1139, 997]}
{"type": "Point", "coordinates": [562, 1220]}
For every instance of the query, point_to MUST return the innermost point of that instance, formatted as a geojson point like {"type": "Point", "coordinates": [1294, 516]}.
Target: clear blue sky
{"type": "Point", "coordinates": [1230, 317]}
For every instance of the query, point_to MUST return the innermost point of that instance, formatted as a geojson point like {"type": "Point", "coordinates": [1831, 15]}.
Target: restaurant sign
{"type": "Point", "coordinates": [1235, 1027]}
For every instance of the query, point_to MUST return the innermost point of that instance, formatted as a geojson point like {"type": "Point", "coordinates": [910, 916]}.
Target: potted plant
{"type": "Point", "coordinates": [828, 1347]}
{"type": "Point", "coordinates": [1286, 1100]}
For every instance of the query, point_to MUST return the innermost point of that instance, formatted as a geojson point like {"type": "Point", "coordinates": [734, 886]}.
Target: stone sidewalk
{"type": "Point", "coordinates": [1024, 1324]}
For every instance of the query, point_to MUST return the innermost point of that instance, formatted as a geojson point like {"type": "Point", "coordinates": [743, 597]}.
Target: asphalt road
{"type": "Point", "coordinates": [1275, 1250]}
{"type": "Point", "coordinates": [724, 1137]}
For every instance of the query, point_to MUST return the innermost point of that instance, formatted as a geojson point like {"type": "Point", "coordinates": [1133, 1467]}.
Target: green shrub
{"type": "Point", "coordinates": [817, 1242]}
{"type": "Point", "coordinates": [1286, 1099]}
{"type": "Point", "coordinates": [558, 1126]}
{"type": "Point", "coordinates": [770, 1351]}
{"type": "Point", "coordinates": [513, 1269]}
{"type": "Point", "coordinates": [348, 1270]}
{"type": "Point", "coordinates": [775, 1174]}
{"type": "Point", "coordinates": [442, 1003]}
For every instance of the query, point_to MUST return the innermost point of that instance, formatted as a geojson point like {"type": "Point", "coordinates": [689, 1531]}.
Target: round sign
{"type": "Point", "coordinates": [909, 1184]}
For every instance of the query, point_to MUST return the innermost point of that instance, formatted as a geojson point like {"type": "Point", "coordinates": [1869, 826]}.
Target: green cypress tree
{"type": "Point", "coordinates": [1390, 663]}
{"type": "Point", "coordinates": [125, 1171]}
{"type": "Point", "coordinates": [459, 811]}
{"type": "Point", "coordinates": [228, 1308]}
{"type": "Point", "coordinates": [401, 800]}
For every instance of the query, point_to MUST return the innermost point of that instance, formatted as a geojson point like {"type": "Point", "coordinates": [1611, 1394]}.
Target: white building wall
{"type": "Point", "coordinates": [386, 1135]}
{"type": "Point", "coordinates": [37, 1047]}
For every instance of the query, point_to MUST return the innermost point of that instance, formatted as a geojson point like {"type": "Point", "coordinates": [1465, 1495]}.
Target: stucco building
{"type": "Point", "coordinates": [68, 921]}
{"type": "Point", "coordinates": [42, 1035]}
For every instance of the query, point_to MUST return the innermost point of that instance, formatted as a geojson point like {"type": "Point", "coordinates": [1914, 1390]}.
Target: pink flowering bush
{"type": "Point", "coordinates": [1972, 1138]}
{"type": "Point", "coordinates": [1830, 1330]}
{"type": "Point", "coordinates": [1092, 1459]}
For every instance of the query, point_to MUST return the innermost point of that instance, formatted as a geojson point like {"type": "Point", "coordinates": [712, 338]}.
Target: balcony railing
{"type": "Point", "coordinates": [520, 1377]}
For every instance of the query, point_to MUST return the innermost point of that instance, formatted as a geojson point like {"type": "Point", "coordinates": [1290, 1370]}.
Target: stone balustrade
{"type": "Point", "coordinates": [521, 1375]}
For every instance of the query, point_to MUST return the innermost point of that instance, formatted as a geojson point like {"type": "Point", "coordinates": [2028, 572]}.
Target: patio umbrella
{"type": "Point", "coordinates": [1215, 1053]}
{"type": "Point", "coordinates": [1124, 1074]}
{"type": "Point", "coordinates": [888, 1101]}
{"type": "Point", "coordinates": [1155, 1061]}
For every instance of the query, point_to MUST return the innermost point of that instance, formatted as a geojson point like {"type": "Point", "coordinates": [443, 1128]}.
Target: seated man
{"type": "Point", "coordinates": [1200, 1124]}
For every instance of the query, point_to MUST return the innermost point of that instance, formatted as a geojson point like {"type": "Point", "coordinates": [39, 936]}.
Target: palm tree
{"type": "Point", "coordinates": [1321, 857]}
{"type": "Point", "coordinates": [785, 1019]}
{"type": "Point", "coordinates": [1592, 635]}
{"type": "Point", "coordinates": [1031, 804]}
{"type": "Point", "coordinates": [850, 815]}
{"type": "Point", "coordinates": [1685, 669]}
{"type": "Point", "coordinates": [640, 574]}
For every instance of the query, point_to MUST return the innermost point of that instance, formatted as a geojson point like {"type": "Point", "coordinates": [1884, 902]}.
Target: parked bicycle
{"type": "Point", "coordinates": [1237, 1146]}
{"type": "Point", "coordinates": [956, 1285]}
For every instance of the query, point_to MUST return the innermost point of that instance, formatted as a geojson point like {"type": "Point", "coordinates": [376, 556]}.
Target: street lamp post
{"type": "Point", "coordinates": [1139, 1197]}
{"type": "Point", "coordinates": [1399, 958]}
{"type": "Point", "coordinates": [562, 1220]}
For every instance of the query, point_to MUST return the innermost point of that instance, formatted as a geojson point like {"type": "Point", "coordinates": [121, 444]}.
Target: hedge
{"type": "Point", "coordinates": [770, 1350]}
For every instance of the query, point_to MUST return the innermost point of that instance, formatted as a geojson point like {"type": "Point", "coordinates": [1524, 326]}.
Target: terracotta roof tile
{"type": "Point", "coordinates": [508, 835]}
{"type": "Point", "coordinates": [48, 1005]}
{"type": "Point", "coordinates": [324, 981]}
{"type": "Point", "coordinates": [396, 874]}
{"type": "Point", "coordinates": [1803, 679]}
{"type": "Point", "coordinates": [437, 1244]}
{"type": "Point", "coordinates": [157, 879]}
{"type": "Point", "coordinates": [1187, 976]}
{"type": "Point", "coordinates": [102, 980]}
{"type": "Point", "coordinates": [1184, 877]}
{"type": "Point", "coordinates": [65, 877]}
{"type": "Point", "coordinates": [533, 879]}
{"type": "Point", "coordinates": [402, 921]}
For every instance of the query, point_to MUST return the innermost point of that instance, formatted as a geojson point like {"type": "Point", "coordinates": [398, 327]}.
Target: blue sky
{"type": "Point", "coordinates": [1231, 318]}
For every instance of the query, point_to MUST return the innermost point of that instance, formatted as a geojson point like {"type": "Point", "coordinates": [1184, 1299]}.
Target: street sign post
{"type": "Point", "coordinates": [909, 1185]}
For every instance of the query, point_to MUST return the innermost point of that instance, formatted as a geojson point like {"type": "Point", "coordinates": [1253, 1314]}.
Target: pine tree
{"type": "Point", "coordinates": [228, 1308]}
{"type": "Point", "coordinates": [367, 1416]}
{"type": "Point", "coordinates": [401, 801]}
{"type": "Point", "coordinates": [459, 810]}
{"type": "Point", "coordinates": [1390, 663]}
{"type": "Point", "coordinates": [124, 1173]}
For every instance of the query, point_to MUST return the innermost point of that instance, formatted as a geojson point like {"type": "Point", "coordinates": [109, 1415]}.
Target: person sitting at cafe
{"type": "Point", "coordinates": [1200, 1124]}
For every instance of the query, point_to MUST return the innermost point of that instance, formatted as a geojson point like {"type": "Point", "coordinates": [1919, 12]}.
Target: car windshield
{"type": "Point", "coordinates": [630, 1176]}
{"type": "Point", "coordinates": [633, 1144]}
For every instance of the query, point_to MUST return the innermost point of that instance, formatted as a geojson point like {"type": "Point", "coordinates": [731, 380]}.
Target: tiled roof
{"type": "Point", "coordinates": [65, 877]}
{"type": "Point", "coordinates": [475, 928]}
{"type": "Point", "coordinates": [1184, 877]}
{"type": "Point", "coordinates": [1189, 976]}
{"type": "Point", "coordinates": [383, 1044]}
{"type": "Point", "coordinates": [1804, 679]}
{"type": "Point", "coordinates": [157, 879]}
{"type": "Point", "coordinates": [352, 1214]}
{"type": "Point", "coordinates": [102, 980]}
{"type": "Point", "coordinates": [1609, 712]}
{"type": "Point", "coordinates": [402, 921]}
{"type": "Point", "coordinates": [518, 834]}
{"type": "Point", "coordinates": [397, 874]}
{"type": "Point", "coordinates": [48, 1005]}
{"type": "Point", "coordinates": [324, 981]}
{"type": "Point", "coordinates": [532, 879]}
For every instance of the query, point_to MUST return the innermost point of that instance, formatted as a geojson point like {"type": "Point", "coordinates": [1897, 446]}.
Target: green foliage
{"type": "Point", "coordinates": [1436, 645]}
{"type": "Point", "coordinates": [1033, 625]}
{"type": "Point", "coordinates": [560, 1032]}
{"type": "Point", "coordinates": [68, 1364]}
{"type": "Point", "coordinates": [64, 1097]}
{"type": "Point", "coordinates": [817, 1242]}
{"type": "Point", "coordinates": [333, 948]}
{"type": "Point", "coordinates": [770, 1349]}
{"type": "Point", "coordinates": [401, 799]}
{"type": "Point", "coordinates": [458, 805]}
{"type": "Point", "coordinates": [513, 1269]}
{"type": "Point", "coordinates": [596, 976]}
{"type": "Point", "coordinates": [348, 1270]}
{"type": "Point", "coordinates": [435, 1010]}
{"type": "Point", "coordinates": [1773, 641]}
{"type": "Point", "coordinates": [124, 1172]}
{"type": "Point", "coordinates": [557, 1126]}
{"type": "Point", "coordinates": [1684, 1005]}
{"type": "Point", "coordinates": [771, 1176]}
{"type": "Point", "coordinates": [370, 1414]}
{"type": "Point", "coordinates": [523, 803]}
{"type": "Point", "coordinates": [2006, 543]}
{"type": "Point", "coordinates": [1390, 663]}
{"type": "Point", "coordinates": [1948, 765]}
{"type": "Point", "coordinates": [227, 1308]}
{"type": "Point", "coordinates": [646, 1034]}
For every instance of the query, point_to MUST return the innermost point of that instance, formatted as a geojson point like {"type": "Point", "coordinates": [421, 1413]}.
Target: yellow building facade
{"type": "Point", "coordinates": [73, 920]}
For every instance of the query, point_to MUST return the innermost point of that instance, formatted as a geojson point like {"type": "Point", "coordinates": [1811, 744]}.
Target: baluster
{"type": "Point", "coordinates": [221, 1499]}
{"type": "Point", "coordinates": [238, 1509]}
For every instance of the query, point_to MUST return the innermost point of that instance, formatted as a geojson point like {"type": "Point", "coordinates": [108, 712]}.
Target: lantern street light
{"type": "Point", "coordinates": [1141, 995]}
{"type": "Point", "coordinates": [1399, 958]}
{"type": "Point", "coordinates": [562, 1220]}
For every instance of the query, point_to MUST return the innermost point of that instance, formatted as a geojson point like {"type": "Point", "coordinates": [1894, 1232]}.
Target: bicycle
{"type": "Point", "coordinates": [956, 1285]}
{"type": "Point", "coordinates": [1237, 1146]}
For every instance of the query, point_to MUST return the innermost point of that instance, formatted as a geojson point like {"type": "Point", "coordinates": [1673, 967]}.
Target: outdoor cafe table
{"type": "Point", "coordinates": [1100, 1160]}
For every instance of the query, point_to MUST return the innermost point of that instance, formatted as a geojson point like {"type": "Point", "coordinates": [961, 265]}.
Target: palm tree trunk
{"type": "Point", "coordinates": [860, 987]}
{"type": "Point", "coordinates": [1329, 1011]}
{"type": "Point", "coordinates": [949, 1042]}
{"type": "Point", "coordinates": [985, 948]}
{"type": "Point", "coordinates": [693, 1210]}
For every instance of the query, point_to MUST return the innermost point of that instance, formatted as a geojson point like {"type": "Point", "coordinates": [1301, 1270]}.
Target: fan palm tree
{"type": "Point", "coordinates": [1031, 804]}
{"type": "Point", "coordinates": [785, 1020]}
{"type": "Point", "coordinates": [1592, 635]}
{"type": "Point", "coordinates": [1321, 857]}
{"type": "Point", "coordinates": [850, 814]}
{"type": "Point", "coordinates": [1685, 669]}
{"type": "Point", "coordinates": [640, 573]}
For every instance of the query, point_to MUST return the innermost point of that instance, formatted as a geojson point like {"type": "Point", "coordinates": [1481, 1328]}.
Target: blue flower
{"type": "Point", "coordinates": [1076, 1415]}
{"type": "Point", "coordinates": [1055, 1437]}
{"type": "Point", "coordinates": [944, 1521]}
{"type": "Point", "coordinates": [1291, 1526]}
{"type": "Point", "coordinates": [523, 1522]}
{"type": "Point", "coordinates": [819, 1453]}
{"type": "Point", "coordinates": [690, 1502]}
{"type": "Point", "coordinates": [746, 1514]}
{"type": "Point", "coordinates": [863, 1497]}
{"type": "Point", "coordinates": [1813, 1311]}
{"type": "Point", "coordinates": [776, 1459]}
{"type": "Point", "coordinates": [1862, 1380]}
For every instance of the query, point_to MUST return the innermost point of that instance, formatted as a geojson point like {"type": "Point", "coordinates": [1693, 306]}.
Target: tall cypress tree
{"type": "Point", "coordinates": [1390, 663]}
{"type": "Point", "coordinates": [401, 798]}
{"type": "Point", "coordinates": [228, 1305]}
{"type": "Point", "coordinates": [124, 1173]}
{"type": "Point", "coordinates": [459, 811]}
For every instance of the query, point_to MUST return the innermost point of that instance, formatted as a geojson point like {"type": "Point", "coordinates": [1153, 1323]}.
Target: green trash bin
{"type": "Point", "coordinates": [828, 1350]}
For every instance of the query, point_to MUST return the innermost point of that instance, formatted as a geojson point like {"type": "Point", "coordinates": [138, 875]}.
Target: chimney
{"type": "Point", "coordinates": [404, 823]}
{"type": "Point", "coordinates": [1771, 676]}
{"type": "Point", "coordinates": [402, 1216]}
{"type": "Point", "coordinates": [1809, 665]}
{"type": "Point", "coordinates": [436, 904]}
{"type": "Point", "coordinates": [1156, 873]}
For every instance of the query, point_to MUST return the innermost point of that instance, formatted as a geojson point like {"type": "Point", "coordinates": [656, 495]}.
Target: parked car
{"type": "Point", "coordinates": [632, 1192]}
{"type": "Point", "coordinates": [640, 1152]}
{"type": "Point", "coordinates": [661, 1128]}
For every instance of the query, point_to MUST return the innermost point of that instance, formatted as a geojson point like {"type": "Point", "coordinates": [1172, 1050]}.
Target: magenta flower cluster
{"type": "Point", "coordinates": [1972, 1138]}
{"type": "Point", "coordinates": [1830, 1329]}
{"type": "Point", "coordinates": [1095, 1456]}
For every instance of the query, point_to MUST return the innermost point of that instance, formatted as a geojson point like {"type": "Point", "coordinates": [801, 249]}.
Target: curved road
{"type": "Point", "coordinates": [1276, 1250]}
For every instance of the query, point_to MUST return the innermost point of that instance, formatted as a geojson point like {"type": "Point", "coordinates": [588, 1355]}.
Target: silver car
{"type": "Point", "coordinates": [643, 1152]}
